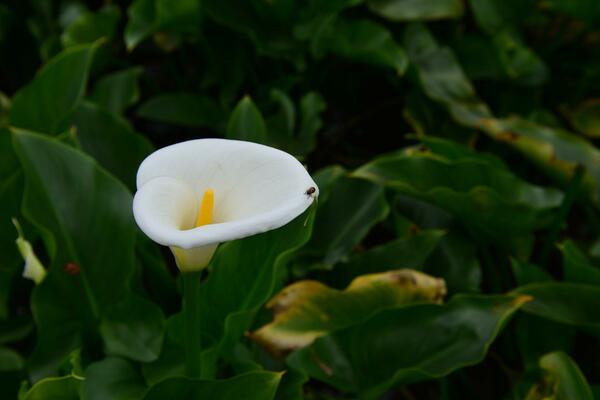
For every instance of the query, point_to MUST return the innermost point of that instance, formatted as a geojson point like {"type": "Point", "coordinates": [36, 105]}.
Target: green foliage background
{"type": "Point", "coordinates": [453, 137]}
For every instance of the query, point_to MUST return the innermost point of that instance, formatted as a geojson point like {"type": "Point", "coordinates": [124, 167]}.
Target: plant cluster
{"type": "Point", "coordinates": [454, 249]}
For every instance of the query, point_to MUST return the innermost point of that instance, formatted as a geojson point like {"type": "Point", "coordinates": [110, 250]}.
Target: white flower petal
{"type": "Point", "coordinates": [257, 188]}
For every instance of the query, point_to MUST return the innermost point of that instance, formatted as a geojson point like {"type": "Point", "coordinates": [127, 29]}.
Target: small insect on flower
{"type": "Point", "coordinates": [311, 190]}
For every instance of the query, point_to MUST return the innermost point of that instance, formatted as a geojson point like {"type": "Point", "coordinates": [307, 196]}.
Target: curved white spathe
{"type": "Point", "coordinates": [256, 188]}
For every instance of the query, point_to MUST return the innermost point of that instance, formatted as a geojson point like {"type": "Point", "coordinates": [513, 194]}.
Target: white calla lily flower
{"type": "Point", "coordinates": [193, 195]}
{"type": "Point", "coordinates": [33, 268]}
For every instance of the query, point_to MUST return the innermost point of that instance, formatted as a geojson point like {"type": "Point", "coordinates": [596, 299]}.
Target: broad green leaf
{"type": "Point", "coordinates": [45, 103]}
{"type": "Point", "coordinates": [326, 178]}
{"type": "Point", "coordinates": [15, 329]}
{"type": "Point", "coordinates": [416, 10]}
{"type": "Point", "coordinates": [442, 77]}
{"type": "Point", "coordinates": [562, 380]}
{"type": "Point", "coordinates": [247, 123]}
{"type": "Point", "coordinates": [519, 62]}
{"type": "Point", "coordinates": [407, 344]}
{"type": "Point", "coordinates": [290, 386]}
{"type": "Point", "coordinates": [133, 328]}
{"type": "Point", "coordinates": [312, 105]}
{"type": "Point", "coordinates": [118, 91]}
{"type": "Point", "coordinates": [91, 26]}
{"type": "Point", "coordinates": [84, 217]}
{"type": "Point", "coordinates": [59, 320]}
{"type": "Point", "coordinates": [249, 386]}
{"type": "Point", "coordinates": [455, 151]}
{"type": "Point", "coordinates": [291, 132]}
{"type": "Point", "coordinates": [182, 109]}
{"type": "Point", "coordinates": [63, 388]}
{"type": "Point", "coordinates": [489, 200]}
{"type": "Point", "coordinates": [64, 215]}
{"type": "Point", "coordinates": [11, 191]}
{"type": "Point", "coordinates": [526, 273]}
{"type": "Point", "coordinates": [455, 259]}
{"type": "Point", "coordinates": [268, 26]}
{"type": "Point", "coordinates": [569, 303]}
{"type": "Point", "coordinates": [307, 310]}
{"type": "Point", "coordinates": [113, 378]}
{"type": "Point", "coordinates": [159, 284]}
{"type": "Point", "coordinates": [171, 362]}
{"type": "Point", "coordinates": [554, 151]}
{"type": "Point", "coordinates": [577, 267]}
{"type": "Point", "coordinates": [352, 208]}
{"type": "Point", "coordinates": [533, 343]}
{"type": "Point", "coordinates": [150, 16]}
{"type": "Point", "coordinates": [363, 41]}
{"type": "Point", "coordinates": [405, 252]}
{"type": "Point", "coordinates": [283, 123]}
{"type": "Point", "coordinates": [110, 140]}
{"type": "Point", "coordinates": [253, 266]}
{"type": "Point", "coordinates": [490, 15]}
{"type": "Point", "coordinates": [10, 360]}
{"type": "Point", "coordinates": [586, 118]}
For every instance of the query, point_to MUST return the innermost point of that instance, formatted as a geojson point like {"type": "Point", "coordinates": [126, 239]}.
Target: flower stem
{"type": "Point", "coordinates": [191, 313]}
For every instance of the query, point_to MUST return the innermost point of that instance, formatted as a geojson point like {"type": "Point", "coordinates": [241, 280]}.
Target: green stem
{"type": "Point", "coordinates": [191, 314]}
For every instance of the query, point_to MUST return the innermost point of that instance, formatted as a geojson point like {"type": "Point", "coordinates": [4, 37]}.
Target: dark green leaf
{"type": "Point", "coordinates": [405, 252]}
{"type": "Point", "coordinates": [326, 178]}
{"type": "Point", "coordinates": [252, 266]}
{"type": "Point", "coordinates": [526, 273]}
{"type": "Point", "coordinates": [247, 123]}
{"type": "Point", "coordinates": [11, 191]}
{"type": "Point", "coordinates": [456, 260]}
{"type": "Point", "coordinates": [307, 310]}
{"type": "Point", "coordinates": [290, 387]}
{"type": "Point", "coordinates": [249, 386]}
{"type": "Point", "coordinates": [577, 267]}
{"type": "Point", "coordinates": [182, 109]}
{"type": "Point", "coordinates": [407, 344]}
{"type": "Point", "coordinates": [149, 16]}
{"type": "Point", "coordinates": [312, 106]}
{"type": "Point", "coordinates": [14, 329]}
{"type": "Point", "coordinates": [362, 41]}
{"type": "Point", "coordinates": [554, 151]}
{"type": "Point", "coordinates": [113, 378]}
{"type": "Point", "coordinates": [586, 118]}
{"type": "Point", "coordinates": [171, 362]}
{"type": "Point", "coordinates": [10, 360]}
{"type": "Point", "coordinates": [352, 208]}
{"type": "Point", "coordinates": [91, 26]}
{"type": "Point", "coordinates": [45, 103]}
{"type": "Point", "coordinates": [533, 343]}
{"type": "Point", "coordinates": [488, 199]}
{"type": "Point", "coordinates": [282, 124]}
{"type": "Point", "coordinates": [569, 303]}
{"type": "Point", "coordinates": [63, 388]}
{"type": "Point", "coordinates": [110, 140]}
{"type": "Point", "coordinates": [84, 217]}
{"type": "Point", "coordinates": [118, 91]}
{"type": "Point", "coordinates": [133, 328]}
{"type": "Point", "coordinates": [520, 63]}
